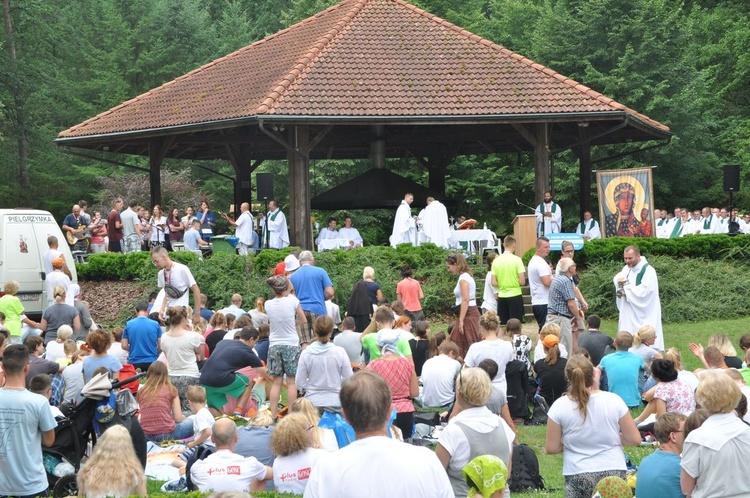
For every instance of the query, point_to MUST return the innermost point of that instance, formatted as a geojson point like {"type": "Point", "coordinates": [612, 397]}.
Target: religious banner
{"type": "Point", "coordinates": [626, 200]}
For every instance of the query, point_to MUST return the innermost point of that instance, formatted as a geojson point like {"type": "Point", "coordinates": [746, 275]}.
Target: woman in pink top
{"type": "Point", "coordinates": [161, 416]}
{"type": "Point", "coordinates": [398, 372]}
{"type": "Point", "coordinates": [409, 292]}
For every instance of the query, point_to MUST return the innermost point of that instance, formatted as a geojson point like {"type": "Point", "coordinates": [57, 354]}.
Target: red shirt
{"type": "Point", "coordinates": [114, 233]}
{"type": "Point", "coordinates": [409, 290]}
{"type": "Point", "coordinates": [156, 413]}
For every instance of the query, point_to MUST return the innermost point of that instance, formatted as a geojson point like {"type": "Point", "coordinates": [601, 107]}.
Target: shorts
{"type": "Point", "coordinates": [283, 360]}
{"type": "Point", "coordinates": [305, 331]}
{"type": "Point", "coordinates": [216, 397]}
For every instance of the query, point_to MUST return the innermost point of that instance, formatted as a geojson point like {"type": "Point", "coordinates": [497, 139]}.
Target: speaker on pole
{"type": "Point", "coordinates": [732, 178]}
{"type": "Point", "coordinates": [265, 186]}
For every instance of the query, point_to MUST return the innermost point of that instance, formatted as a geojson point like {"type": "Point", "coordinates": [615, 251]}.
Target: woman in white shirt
{"type": "Point", "coordinates": [589, 427]}
{"type": "Point", "coordinates": [284, 314]}
{"type": "Point", "coordinates": [492, 347]}
{"type": "Point", "coordinates": [323, 367]}
{"type": "Point", "coordinates": [160, 228]}
{"type": "Point", "coordinates": [466, 331]}
{"type": "Point", "coordinates": [292, 443]}
{"type": "Point", "coordinates": [715, 455]}
{"type": "Point", "coordinates": [472, 430]}
{"type": "Point", "coordinates": [489, 301]}
{"type": "Point", "coordinates": [183, 349]}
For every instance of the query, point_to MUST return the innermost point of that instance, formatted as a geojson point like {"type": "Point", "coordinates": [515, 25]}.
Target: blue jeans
{"type": "Point", "coordinates": [183, 430]}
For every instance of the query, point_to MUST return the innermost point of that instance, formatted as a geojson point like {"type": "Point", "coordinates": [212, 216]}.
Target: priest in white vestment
{"type": "Point", "coordinates": [404, 227]}
{"type": "Point", "coordinates": [637, 291]}
{"type": "Point", "coordinates": [278, 233]}
{"type": "Point", "coordinates": [663, 225]}
{"type": "Point", "coordinates": [589, 228]}
{"type": "Point", "coordinates": [548, 216]}
{"type": "Point", "coordinates": [328, 232]}
{"type": "Point", "coordinates": [711, 223]}
{"type": "Point", "coordinates": [435, 224]}
{"type": "Point", "coordinates": [348, 232]}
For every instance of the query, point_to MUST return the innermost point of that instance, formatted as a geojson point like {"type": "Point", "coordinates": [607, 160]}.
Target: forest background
{"type": "Point", "coordinates": [684, 63]}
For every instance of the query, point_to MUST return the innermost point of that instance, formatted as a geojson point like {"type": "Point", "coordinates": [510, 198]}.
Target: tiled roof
{"type": "Point", "coordinates": [359, 58]}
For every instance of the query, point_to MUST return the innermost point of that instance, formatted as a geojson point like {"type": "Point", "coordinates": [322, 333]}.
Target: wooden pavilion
{"type": "Point", "coordinates": [364, 78]}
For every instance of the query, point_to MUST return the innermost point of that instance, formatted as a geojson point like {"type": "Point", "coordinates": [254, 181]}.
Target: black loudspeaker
{"type": "Point", "coordinates": [732, 178]}
{"type": "Point", "coordinates": [265, 186]}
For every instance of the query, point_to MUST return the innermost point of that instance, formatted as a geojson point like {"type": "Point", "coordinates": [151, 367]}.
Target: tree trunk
{"type": "Point", "coordinates": [18, 106]}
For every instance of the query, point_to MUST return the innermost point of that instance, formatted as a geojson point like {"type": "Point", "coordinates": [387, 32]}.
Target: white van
{"type": "Point", "coordinates": [23, 242]}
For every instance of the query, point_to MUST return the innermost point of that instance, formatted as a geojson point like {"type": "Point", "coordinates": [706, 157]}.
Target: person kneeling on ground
{"type": "Point", "coordinates": [659, 473]}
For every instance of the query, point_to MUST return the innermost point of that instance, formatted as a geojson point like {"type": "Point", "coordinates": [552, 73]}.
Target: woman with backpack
{"type": "Point", "coordinates": [473, 429]}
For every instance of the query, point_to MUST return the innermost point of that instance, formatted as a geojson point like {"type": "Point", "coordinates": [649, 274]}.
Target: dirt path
{"type": "Point", "coordinates": [107, 300]}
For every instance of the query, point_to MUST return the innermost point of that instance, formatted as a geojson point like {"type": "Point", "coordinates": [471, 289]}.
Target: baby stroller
{"type": "Point", "coordinates": [81, 424]}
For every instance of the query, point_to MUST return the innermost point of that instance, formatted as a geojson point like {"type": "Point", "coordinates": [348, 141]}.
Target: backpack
{"type": "Point", "coordinates": [541, 408]}
{"type": "Point", "coordinates": [525, 470]}
{"type": "Point", "coordinates": [201, 452]}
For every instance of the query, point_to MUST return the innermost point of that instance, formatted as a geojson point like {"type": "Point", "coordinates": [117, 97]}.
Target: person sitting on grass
{"type": "Point", "coordinates": [624, 371]}
{"type": "Point", "coordinates": [322, 438]}
{"type": "Point", "coordinates": [724, 345]}
{"type": "Point", "coordinates": [486, 477]}
{"type": "Point", "coordinates": [225, 470]}
{"type": "Point", "coordinates": [521, 342]}
{"type": "Point", "coordinates": [419, 345]}
{"type": "Point", "coordinates": [472, 429]}
{"type": "Point", "coordinates": [493, 347]}
{"type": "Point", "coordinates": [202, 423]}
{"type": "Point", "coordinates": [383, 322]}
{"type": "Point", "coordinates": [161, 415]}
{"type": "Point", "coordinates": [56, 349]}
{"type": "Point", "coordinates": [439, 377]}
{"type": "Point", "coordinates": [550, 372]}
{"type": "Point", "coordinates": [498, 402]}
{"type": "Point", "coordinates": [113, 469]}
{"type": "Point", "coordinates": [220, 378]}
{"type": "Point", "coordinates": [712, 359]}
{"type": "Point", "coordinates": [254, 440]}
{"type": "Point", "coordinates": [671, 394]}
{"type": "Point", "coordinates": [549, 328]}
{"type": "Point", "coordinates": [295, 453]}
{"type": "Point", "coordinates": [659, 472]}
{"type": "Point", "coordinates": [99, 341]}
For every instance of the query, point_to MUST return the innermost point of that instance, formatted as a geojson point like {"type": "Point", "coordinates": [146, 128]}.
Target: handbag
{"type": "Point", "coordinates": [173, 292]}
{"type": "Point", "coordinates": [126, 403]}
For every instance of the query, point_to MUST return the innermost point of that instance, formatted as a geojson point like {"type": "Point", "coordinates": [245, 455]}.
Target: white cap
{"type": "Point", "coordinates": [291, 263]}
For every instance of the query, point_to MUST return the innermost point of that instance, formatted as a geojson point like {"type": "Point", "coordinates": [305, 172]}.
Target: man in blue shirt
{"type": "Point", "coordinates": [624, 371]}
{"type": "Point", "coordinates": [26, 423]}
{"type": "Point", "coordinates": [142, 338]}
{"type": "Point", "coordinates": [659, 473]}
{"type": "Point", "coordinates": [192, 237]}
{"type": "Point", "coordinates": [313, 288]}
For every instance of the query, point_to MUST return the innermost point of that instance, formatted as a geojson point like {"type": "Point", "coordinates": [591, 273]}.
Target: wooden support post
{"type": "Point", "coordinates": [157, 151]}
{"type": "Point", "coordinates": [584, 166]}
{"type": "Point", "coordinates": [437, 177]}
{"type": "Point", "coordinates": [541, 161]}
{"type": "Point", "coordinates": [299, 187]}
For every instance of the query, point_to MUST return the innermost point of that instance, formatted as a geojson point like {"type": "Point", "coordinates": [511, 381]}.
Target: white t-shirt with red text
{"type": "Point", "coordinates": [290, 473]}
{"type": "Point", "coordinates": [226, 471]}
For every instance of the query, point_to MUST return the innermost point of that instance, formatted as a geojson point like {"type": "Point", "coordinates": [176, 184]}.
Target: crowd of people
{"type": "Point", "coordinates": [379, 368]}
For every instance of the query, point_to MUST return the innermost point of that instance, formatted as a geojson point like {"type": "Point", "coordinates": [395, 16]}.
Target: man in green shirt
{"type": "Point", "coordinates": [508, 275]}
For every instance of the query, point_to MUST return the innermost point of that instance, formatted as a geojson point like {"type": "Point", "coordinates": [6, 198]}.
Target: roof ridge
{"type": "Point", "coordinates": [202, 68]}
{"type": "Point", "coordinates": [308, 58]}
{"type": "Point", "coordinates": [534, 65]}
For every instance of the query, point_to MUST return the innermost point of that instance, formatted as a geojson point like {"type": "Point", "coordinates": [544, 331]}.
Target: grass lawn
{"type": "Point", "coordinates": [677, 335]}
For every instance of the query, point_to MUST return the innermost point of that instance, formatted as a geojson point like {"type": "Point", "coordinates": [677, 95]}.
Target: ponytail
{"type": "Point", "coordinates": [553, 354]}
{"type": "Point", "coordinates": [435, 341]}
{"type": "Point", "coordinates": [580, 375]}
